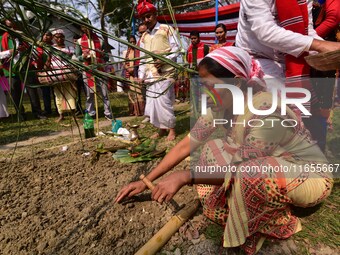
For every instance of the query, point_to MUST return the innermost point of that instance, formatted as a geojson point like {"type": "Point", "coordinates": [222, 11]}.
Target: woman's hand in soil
{"type": "Point", "coordinates": [170, 185]}
{"type": "Point", "coordinates": [130, 190]}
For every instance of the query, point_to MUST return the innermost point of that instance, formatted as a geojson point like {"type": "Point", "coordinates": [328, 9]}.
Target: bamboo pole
{"type": "Point", "coordinates": [94, 61]}
{"type": "Point", "coordinates": [170, 228]}
{"type": "Point", "coordinates": [188, 4]}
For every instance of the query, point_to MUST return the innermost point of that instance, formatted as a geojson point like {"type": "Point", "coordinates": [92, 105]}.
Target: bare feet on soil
{"type": "Point", "coordinates": [171, 135]}
{"type": "Point", "coordinates": [61, 118]}
{"type": "Point", "coordinates": [159, 134]}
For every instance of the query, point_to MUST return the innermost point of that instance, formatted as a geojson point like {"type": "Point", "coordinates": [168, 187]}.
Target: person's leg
{"type": "Point", "coordinates": [146, 95]}
{"type": "Point", "coordinates": [171, 135]}
{"type": "Point", "coordinates": [317, 126]}
{"type": "Point", "coordinates": [161, 110]}
{"type": "Point", "coordinates": [105, 96]}
{"type": "Point", "coordinates": [171, 113]}
{"type": "Point", "coordinates": [35, 102]}
{"type": "Point", "coordinates": [69, 96]}
{"type": "Point", "coordinates": [3, 104]}
{"type": "Point", "coordinates": [46, 94]}
{"type": "Point", "coordinates": [33, 94]}
{"type": "Point", "coordinates": [323, 87]}
{"type": "Point", "coordinates": [66, 94]}
{"type": "Point", "coordinates": [80, 88]}
{"type": "Point", "coordinates": [212, 197]}
{"type": "Point", "coordinates": [195, 94]}
{"type": "Point", "coordinates": [141, 107]}
{"type": "Point", "coordinates": [16, 92]}
{"type": "Point", "coordinates": [89, 104]}
{"type": "Point", "coordinates": [131, 103]}
{"type": "Point", "coordinates": [59, 102]}
{"type": "Point", "coordinates": [161, 132]}
{"type": "Point", "coordinates": [139, 102]}
{"type": "Point", "coordinates": [54, 101]}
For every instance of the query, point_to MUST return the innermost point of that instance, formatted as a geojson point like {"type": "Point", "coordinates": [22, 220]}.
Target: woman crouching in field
{"type": "Point", "coordinates": [250, 204]}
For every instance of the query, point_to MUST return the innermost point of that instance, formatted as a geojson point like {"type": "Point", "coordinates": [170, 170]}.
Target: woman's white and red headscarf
{"type": "Point", "coordinates": [145, 6]}
{"type": "Point", "coordinates": [240, 63]}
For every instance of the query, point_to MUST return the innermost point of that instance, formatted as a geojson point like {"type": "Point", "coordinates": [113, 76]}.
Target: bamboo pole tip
{"type": "Point", "coordinates": [142, 176]}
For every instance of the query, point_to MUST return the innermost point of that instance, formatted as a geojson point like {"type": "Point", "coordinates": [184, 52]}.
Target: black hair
{"type": "Point", "coordinates": [195, 33]}
{"type": "Point", "coordinates": [132, 36]}
{"type": "Point", "coordinates": [221, 26]}
{"type": "Point", "coordinates": [215, 68]}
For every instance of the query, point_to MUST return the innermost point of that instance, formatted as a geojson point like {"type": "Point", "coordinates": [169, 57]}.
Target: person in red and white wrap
{"type": "Point", "coordinates": [89, 49]}
{"type": "Point", "coordinates": [279, 34]}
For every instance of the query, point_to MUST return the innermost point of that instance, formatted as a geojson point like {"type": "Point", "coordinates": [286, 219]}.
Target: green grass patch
{"type": "Point", "coordinates": [11, 130]}
{"type": "Point", "coordinates": [333, 139]}
{"type": "Point", "coordinates": [323, 226]}
{"type": "Point", "coordinates": [214, 232]}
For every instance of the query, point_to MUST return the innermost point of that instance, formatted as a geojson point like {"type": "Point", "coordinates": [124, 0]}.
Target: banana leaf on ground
{"type": "Point", "coordinates": [146, 151]}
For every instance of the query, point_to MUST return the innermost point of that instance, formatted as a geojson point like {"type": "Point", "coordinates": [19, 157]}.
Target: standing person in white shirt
{"type": "Point", "coordinates": [160, 96]}
{"type": "Point", "coordinates": [262, 36]}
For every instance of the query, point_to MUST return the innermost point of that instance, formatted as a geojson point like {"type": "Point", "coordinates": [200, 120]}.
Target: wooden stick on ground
{"type": "Point", "coordinates": [175, 206]}
{"type": "Point", "coordinates": [147, 182]}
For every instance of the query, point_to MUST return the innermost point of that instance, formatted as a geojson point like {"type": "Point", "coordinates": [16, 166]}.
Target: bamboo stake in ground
{"type": "Point", "coordinates": [170, 228]}
{"type": "Point", "coordinates": [94, 61]}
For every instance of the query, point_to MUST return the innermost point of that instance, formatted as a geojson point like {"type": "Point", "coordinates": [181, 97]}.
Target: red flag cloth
{"type": "Point", "coordinates": [4, 41]}
{"type": "Point", "coordinates": [98, 50]}
{"type": "Point", "coordinates": [4, 47]}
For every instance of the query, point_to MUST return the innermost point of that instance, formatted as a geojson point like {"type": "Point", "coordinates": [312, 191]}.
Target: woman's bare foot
{"type": "Point", "coordinates": [171, 135]}
{"type": "Point", "coordinates": [61, 117]}
{"type": "Point", "coordinates": [159, 134]}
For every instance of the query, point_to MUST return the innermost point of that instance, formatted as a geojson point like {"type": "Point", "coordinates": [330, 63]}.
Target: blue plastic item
{"type": "Point", "coordinates": [116, 124]}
